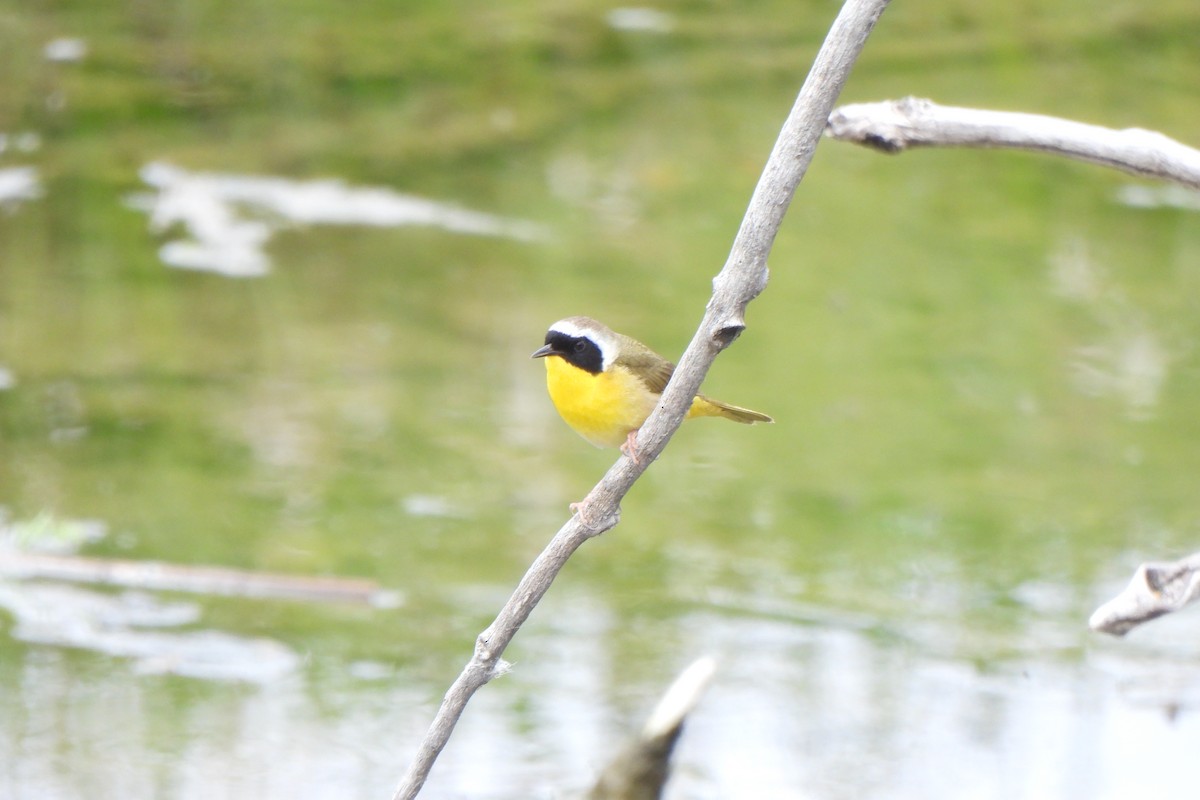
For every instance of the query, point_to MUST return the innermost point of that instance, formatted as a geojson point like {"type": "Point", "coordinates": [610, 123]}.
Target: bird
{"type": "Point", "coordinates": [605, 384]}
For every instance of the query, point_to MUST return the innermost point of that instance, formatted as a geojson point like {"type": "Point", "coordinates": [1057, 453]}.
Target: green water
{"type": "Point", "coordinates": [983, 369]}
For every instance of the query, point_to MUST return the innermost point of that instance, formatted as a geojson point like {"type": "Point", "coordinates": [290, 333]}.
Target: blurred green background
{"type": "Point", "coordinates": [982, 365]}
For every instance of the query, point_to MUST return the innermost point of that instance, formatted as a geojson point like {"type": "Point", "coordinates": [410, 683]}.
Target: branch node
{"type": "Point", "coordinates": [883, 143]}
{"type": "Point", "coordinates": [728, 333]}
{"type": "Point", "coordinates": [913, 106]}
{"type": "Point", "coordinates": [483, 652]}
{"type": "Point", "coordinates": [590, 526]}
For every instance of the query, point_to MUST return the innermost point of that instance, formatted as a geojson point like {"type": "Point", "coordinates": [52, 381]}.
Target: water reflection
{"type": "Point", "coordinates": [1130, 361]}
{"type": "Point", "coordinates": [126, 625]}
{"type": "Point", "coordinates": [804, 704]}
{"type": "Point", "coordinates": [1157, 196]}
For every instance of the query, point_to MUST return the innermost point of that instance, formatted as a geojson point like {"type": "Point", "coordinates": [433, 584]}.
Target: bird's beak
{"type": "Point", "coordinates": [543, 351]}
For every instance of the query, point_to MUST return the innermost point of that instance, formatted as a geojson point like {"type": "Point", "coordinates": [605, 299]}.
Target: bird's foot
{"type": "Point", "coordinates": [629, 449]}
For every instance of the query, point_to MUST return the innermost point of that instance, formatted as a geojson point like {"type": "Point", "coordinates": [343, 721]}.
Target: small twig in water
{"type": "Point", "coordinates": [1157, 588]}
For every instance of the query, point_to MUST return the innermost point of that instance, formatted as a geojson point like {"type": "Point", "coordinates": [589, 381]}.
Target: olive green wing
{"type": "Point", "coordinates": [653, 369]}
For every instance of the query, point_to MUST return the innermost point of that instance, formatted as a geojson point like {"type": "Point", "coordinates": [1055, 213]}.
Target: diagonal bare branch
{"type": "Point", "coordinates": [741, 280]}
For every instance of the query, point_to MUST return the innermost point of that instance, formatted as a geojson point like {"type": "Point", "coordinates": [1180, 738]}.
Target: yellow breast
{"type": "Point", "coordinates": [601, 408]}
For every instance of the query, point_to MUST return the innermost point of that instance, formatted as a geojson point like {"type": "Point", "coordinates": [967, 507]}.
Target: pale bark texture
{"type": "Point", "coordinates": [1157, 588]}
{"type": "Point", "coordinates": [897, 125]}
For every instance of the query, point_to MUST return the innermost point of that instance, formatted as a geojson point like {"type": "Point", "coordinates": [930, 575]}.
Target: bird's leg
{"type": "Point", "coordinates": [630, 447]}
{"type": "Point", "coordinates": [580, 509]}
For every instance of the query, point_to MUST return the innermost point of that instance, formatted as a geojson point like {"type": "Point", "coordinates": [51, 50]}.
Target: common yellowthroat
{"type": "Point", "coordinates": [605, 384]}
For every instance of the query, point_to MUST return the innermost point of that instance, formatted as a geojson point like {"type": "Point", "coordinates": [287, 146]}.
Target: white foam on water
{"type": "Point", "coordinates": [229, 219]}
{"type": "Point", "coordinates": [18, 184]}
{"type": "Point", "coordinates": [65, 49]}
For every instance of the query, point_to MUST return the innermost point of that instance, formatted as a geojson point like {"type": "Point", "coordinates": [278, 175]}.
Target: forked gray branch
{"type": "Point", "coordinates": [740, 281]}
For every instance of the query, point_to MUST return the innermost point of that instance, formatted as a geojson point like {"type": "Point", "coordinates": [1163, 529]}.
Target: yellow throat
{"type": "Point", "coordinates": [602, 408]}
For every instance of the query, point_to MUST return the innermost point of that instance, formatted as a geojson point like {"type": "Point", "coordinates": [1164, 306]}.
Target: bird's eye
{"type": "Point", "coordinates": [580, 346]}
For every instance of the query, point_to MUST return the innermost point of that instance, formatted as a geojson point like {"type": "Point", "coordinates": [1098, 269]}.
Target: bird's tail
{"type": "Point", "coordinates": [707, 407]}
